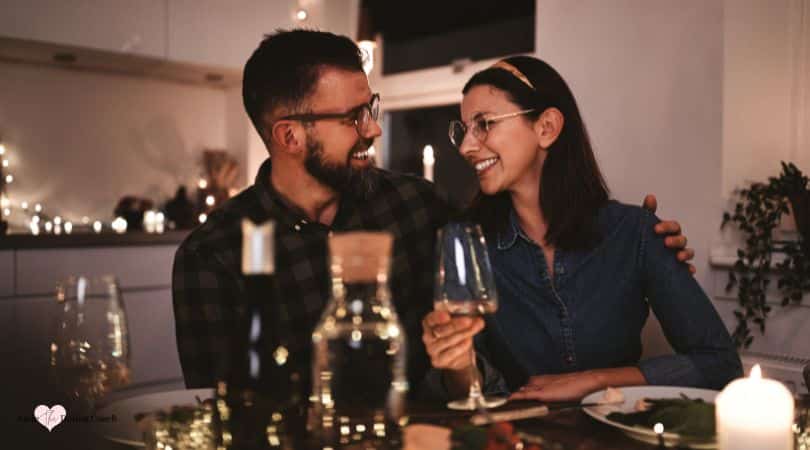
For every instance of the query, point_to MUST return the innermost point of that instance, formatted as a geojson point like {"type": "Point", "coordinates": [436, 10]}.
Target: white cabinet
{"type": "Point", "coordinates": [224, 34]}
{"type": "Point", "coordinates": [124, 26]}
{"type": "Point", "coordinates": [218, 33]}
{"type": "Point", "coordinates": [6, 273]}
{"type": "Point", "coordinates": [138, 267]}
{"type": "Point", "coordinates": [29, 315]}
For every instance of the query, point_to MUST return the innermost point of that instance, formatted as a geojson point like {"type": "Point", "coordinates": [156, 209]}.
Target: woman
{"type": "Point", "coordinates": [575, 271]}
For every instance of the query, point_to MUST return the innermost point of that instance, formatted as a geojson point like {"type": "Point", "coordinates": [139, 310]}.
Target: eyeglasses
{"type": "Point", "coordinates": [361, 116]}
{"type": "Point", "coordinates": [480, 126]}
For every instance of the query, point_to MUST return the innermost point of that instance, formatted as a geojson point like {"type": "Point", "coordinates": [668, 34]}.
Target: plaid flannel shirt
{"type": "Point", "coordinates": [209, 290]}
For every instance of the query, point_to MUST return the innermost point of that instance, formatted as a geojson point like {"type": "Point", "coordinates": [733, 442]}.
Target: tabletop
{"type": "Point", "coordinates": [572, 428]}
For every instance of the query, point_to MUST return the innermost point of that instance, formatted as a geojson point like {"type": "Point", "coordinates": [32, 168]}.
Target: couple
{"type": "Point", "coordinates": [543, 199]}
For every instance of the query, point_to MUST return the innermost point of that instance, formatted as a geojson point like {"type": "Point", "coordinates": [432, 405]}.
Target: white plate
{"type": "Point", "coordinates": [125, 430]}
{"type": "Point", "coordinates": [635, 393]}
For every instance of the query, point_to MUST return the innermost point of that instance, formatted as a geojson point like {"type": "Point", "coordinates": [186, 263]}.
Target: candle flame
{"type": "Point", "coordinates": [427, 155]}
{"type": "Point", "coordinates": [659, 428]}
{"type": "Point", "coordinates": [756, 372]}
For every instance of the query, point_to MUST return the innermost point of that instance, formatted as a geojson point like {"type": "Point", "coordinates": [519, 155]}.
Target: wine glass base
{"type": "Point", "coordinates": [470, 404]}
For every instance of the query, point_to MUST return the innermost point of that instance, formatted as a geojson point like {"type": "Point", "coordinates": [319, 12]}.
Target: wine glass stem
{"type": "Point", "coordinates": [475, 384]}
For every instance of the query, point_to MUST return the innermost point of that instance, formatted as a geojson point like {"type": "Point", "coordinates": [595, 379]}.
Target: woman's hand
{"type": "Point", "coordinates": [575, 385]}
{"type": "Point", "coordinates": [558, 388]}
{"type": "Point", "coordinates": [449, 340]}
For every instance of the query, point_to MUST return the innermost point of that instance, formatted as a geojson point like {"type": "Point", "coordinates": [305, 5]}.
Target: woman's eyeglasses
{"type": "Point", "coordinates": [480, 126]}
{"type": "Point", "coordinates": [361, 116]}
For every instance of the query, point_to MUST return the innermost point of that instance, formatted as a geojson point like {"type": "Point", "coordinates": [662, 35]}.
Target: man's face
{"type": "Point", "coordinates": [337, 154]}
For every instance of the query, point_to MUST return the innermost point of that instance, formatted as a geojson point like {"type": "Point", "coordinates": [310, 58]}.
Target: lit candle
{"type": "Point", "coordinates": [659, 431]}
{"type": "Point", "coordinates": [754, 414]}
{"type": "Point", "coordinates": [97, 226]}
{"type": "Point", "coordinates": [68, 227]}
{"type": "Point", "coordinates": [203, 183]}
{"type": "Point", "coordinates": [149, 221]}
{"type": "Point", "coordinates": [160, 222]}
{"type": "Point", "coordinates": [202, 217]}
{"type": "Point", "coordinates": [428, 160]}
{"type": "Point", "coordinates": [210, 200]}
{"type": "Point", "coordinates": [119, 225]}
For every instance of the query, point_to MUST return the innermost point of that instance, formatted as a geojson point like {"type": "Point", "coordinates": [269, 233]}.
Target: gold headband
{"type": "Point", "coordinates": [513, 70]}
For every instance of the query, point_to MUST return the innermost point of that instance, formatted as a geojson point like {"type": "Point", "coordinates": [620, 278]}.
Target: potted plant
{"type": "Point", "coordinates": [759, 210]}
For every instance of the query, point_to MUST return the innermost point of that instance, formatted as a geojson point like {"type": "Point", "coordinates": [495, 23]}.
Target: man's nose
{"type": "Point", "coordinates": [373, 130]}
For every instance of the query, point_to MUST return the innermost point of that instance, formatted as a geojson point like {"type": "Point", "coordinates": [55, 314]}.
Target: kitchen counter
{"type": "Point", "coordinates": [44, 241]}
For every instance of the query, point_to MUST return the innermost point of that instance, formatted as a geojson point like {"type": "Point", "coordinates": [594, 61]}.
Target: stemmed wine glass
{"type": "Point", "coordinates": [89, 350]}
{"type": "Point", "coordinates": [465, 286]}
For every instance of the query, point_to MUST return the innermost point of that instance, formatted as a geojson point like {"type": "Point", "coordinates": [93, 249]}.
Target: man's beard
{"type": "Point", "coordinates": [344, 179]}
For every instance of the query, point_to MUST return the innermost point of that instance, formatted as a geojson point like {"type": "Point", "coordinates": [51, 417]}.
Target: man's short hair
{"type": "Point", "coordinates": [285, 68]}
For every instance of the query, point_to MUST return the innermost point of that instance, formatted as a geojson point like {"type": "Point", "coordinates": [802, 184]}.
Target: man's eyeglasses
{"type": "Point", "coordinates": [361, 116]}
{"type": "Point", "coordinates": [480, 126]}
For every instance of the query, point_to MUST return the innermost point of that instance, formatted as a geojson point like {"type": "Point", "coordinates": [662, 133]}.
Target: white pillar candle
{"type": "Point", "coordinates": [160, 222]}
{"type": "Point", "coordinates": [428, 160]}
{"type": "Point", "coordinates": [149, 221]}
{"type": "Point", "coordinates": [754, 414]}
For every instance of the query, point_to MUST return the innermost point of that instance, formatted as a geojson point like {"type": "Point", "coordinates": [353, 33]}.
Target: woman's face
{"type": "Point", "coordinates": [509, 156]}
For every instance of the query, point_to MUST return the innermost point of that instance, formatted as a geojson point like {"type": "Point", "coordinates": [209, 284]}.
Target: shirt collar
{"type": "Point", "coordinates": [508, 236]}
{"type": "Point", "coordinates": [274, 205]}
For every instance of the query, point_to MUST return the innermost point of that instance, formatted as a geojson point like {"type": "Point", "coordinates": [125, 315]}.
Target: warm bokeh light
{"type": "Point", "coordinates": [119, 225]}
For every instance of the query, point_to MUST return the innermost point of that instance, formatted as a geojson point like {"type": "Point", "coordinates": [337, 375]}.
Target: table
{"type": "Point", "coordinates": [572, 428]}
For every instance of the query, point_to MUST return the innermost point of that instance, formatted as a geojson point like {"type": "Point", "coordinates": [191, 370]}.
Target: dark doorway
{"type": "Point", "coordinates": [411, 130]}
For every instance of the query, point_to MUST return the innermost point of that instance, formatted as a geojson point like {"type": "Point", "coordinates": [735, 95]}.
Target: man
{"type": "Point", "coordinates": [309, 99]}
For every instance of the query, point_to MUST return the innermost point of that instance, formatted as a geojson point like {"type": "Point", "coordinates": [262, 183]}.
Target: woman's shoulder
{"type": "Point", "coordinates": [614, 213]}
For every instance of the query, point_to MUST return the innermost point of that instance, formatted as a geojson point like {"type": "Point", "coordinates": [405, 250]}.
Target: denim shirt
{"type": "Point", "coordinates": [590, 314]}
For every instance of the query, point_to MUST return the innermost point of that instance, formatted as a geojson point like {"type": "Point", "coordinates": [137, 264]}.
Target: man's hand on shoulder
{"type": "Point", "coordinates": [675, 239]}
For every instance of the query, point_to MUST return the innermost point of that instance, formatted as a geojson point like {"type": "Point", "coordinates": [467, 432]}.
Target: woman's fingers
{"type": "Point", "coordinates": [450, 351]}
{"type": "Point", "coordinates": [457, 357]}
{"type": "Point", "coordinates": [458, 337]}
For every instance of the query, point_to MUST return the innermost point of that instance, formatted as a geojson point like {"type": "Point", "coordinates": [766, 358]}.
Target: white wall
{"type": "Point", "coordinates": [766, 90]}
{"type": "Point", "coordinates": [648, 79]}
{"type": "Point", "coordinates": [78, 141]}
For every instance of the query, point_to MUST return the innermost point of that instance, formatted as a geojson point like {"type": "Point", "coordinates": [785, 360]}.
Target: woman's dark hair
{"type": "Point", "coordinates": [284, 69]}
{"type": "Point", "coordinates": [572, 188]}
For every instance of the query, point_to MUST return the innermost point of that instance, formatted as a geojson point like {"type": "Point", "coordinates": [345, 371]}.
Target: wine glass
{"type": "Point", "coordinates": [465, 286]}
{"type": "Point", "coordinates": [89, 350]}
